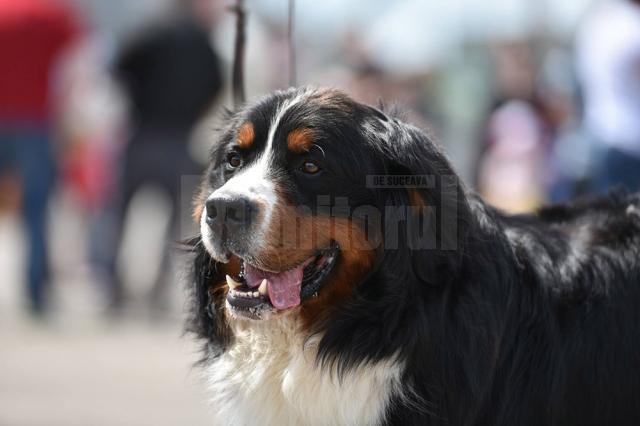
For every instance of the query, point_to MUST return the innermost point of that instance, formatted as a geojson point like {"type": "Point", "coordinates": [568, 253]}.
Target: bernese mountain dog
{"type": "Point", "coordinates": [344, 275]}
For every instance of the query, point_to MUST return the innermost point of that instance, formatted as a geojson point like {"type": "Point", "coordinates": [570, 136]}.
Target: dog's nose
{"type": "Point", "coordinates": [234, 213]}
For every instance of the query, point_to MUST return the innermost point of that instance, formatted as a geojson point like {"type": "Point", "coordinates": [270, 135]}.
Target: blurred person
{"type": "Point", "coordinates": [608, 67]}
{"type": "Point", "coordinates": [33, 35]}
{"type": "Point", "coordinates": [172, 76]}
{"type": "Point", "coordinates": [511, 170]}
{"type": "Point", "coordinates": [568, 167]}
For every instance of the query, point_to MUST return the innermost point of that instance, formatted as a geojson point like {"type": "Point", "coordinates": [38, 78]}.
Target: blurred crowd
{"type": "Point", "coordinates": [100, 100]}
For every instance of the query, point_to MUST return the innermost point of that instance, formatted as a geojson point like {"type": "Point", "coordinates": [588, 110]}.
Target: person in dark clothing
{"type": "Point", "coordinates": [172, 76]}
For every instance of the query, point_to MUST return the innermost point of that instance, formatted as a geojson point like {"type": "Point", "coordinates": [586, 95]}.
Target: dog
{"type": "Point", "coordinates": [344, 275]}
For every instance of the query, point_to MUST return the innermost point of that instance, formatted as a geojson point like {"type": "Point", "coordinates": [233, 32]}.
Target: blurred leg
{"type": "Point", "coordinates": [110, 232]}
{"type": "Point", "coordinates": [159, 296]}
{"type": "Point", "coordinates": [36, 165]}
{"type": "Point", "coordinates": [177, 165]}
{"type": "Point", "coordinates": [6, 149]}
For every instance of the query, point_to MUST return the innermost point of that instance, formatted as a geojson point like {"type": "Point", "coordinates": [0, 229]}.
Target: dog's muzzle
{"type": "Point", "coordinates": [230, 220]}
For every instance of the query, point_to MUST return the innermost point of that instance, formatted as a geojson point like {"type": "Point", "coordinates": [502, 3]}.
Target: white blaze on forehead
{"type": "Point", "coordinates": [284, 107]}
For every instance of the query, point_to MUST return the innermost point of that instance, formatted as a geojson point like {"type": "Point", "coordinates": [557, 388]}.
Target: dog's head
{"type": "Point", "coordinates": [308, 195]}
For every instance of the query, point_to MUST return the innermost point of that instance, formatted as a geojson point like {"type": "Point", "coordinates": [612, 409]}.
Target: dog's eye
{"type": "Point", "coordinates": [310, 167]}
{"type": "Point", "coordinates": [234, 160]}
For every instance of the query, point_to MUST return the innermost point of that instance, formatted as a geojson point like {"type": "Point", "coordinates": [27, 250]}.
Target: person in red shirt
{"type": "Point", "coordinates": [33, 34]}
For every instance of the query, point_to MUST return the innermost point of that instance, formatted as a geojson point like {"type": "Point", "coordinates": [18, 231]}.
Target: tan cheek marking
{"type": "Point", "coordinates": [198, 203]}
{"type": "Point", "coordinates": [415, 198]}
{"type": "Point", "coordinates": [232, 267]}
{"type": "Point", "coordinates": [300, 140]}
{"type": "Point", "coordinates": [246, 134]}
{"type": "Point", "coordinates": [354, 264]}
{"type": "Point", "coordinates": [197, 212]}
{"type": "Point", "coordinates": [219, 287]}
{"type": "Point", "coordinates": [294, 237]}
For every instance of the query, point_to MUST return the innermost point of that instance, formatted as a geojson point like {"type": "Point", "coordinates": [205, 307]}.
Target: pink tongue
{"type": "Point", "coordinates": [283, 287]}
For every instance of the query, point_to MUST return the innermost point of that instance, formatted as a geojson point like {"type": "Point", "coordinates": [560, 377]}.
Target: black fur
{"type": "Point", "coordinates": [530, 320]}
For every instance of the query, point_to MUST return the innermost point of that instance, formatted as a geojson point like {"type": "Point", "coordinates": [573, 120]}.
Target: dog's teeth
{"type": "Point", "coordinates": [255, 294]}
{"type": "Point", "coordinates": [232, 283]}
{"type": "Point", "coordinates": [263, 288]}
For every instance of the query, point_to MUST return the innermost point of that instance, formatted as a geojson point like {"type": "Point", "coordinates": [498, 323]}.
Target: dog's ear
{"type": "Point", "coordinates": [437, 212]}
{"type": "Point", "coordinates": [208, 289]}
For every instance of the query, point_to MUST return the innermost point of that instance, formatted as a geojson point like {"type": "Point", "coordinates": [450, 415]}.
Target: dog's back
{"type": "Point", "coordinates": [576, 357]}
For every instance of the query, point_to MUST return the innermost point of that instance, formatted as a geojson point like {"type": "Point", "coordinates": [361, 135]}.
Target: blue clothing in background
{"type": "Point", "coordinates": [26, 152]}
{"type": "Point", "coordinates": [615, 169]}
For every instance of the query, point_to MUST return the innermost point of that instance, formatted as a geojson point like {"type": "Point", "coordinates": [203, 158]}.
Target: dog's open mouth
{"type": "Point", "coordinates": [255, 289]}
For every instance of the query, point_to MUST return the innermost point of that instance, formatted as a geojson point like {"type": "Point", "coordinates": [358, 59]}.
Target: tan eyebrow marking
{"type": "Point", "coordinates": [246, 134]}
{"type": "Point", "coordinates": [300, 140]}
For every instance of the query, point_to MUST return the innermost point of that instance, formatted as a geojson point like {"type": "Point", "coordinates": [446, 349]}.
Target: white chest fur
{"type": "Point", "coordinates": [269, 377]}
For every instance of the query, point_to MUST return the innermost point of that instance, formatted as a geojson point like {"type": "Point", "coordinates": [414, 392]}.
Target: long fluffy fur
{"type": "Point", "coordinates": [530, 320]}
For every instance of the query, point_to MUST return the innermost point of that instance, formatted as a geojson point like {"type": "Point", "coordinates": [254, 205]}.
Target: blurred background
{"type": "Point", "coordinates": [107, 110]}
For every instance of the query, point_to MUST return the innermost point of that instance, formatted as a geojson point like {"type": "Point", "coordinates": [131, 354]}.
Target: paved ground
{"type": "Point", "coordinates": [77, 368]}
{"type": "Point", "coordinates": [128, 373]}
